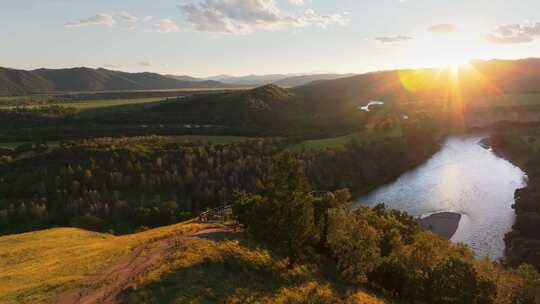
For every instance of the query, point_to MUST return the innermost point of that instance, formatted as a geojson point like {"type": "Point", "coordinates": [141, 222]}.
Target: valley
{"type": "Point", "coordinates": [119, 179]}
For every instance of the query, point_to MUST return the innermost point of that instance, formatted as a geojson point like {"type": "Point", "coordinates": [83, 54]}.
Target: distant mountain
{"type": "Point", "coordinates": [17, 82]}
{"type": "Point", "coordinates": [295, 81]}
{"type": "Point", "coordinates": [186, 78]}
{"type": "Point", "coordinates": [332, 105]}
{"type": "Point", "coordinates": [251, 80]}
{"type": "Point", "coordinates": [481, 78]}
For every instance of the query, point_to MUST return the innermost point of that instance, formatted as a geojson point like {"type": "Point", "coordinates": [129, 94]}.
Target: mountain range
{"type": "Point", "coordinates": [327, 104]}
{"type": "Point", "coordinates": [20, 82]}
{"type": "Point", "coordinates": [480, 77]}
{"type": "Point", "coordinates": [282, 80]}
{"type": "Point", "coordinates": [82, 79]}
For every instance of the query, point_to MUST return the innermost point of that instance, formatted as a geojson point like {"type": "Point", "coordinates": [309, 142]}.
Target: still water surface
{"type": "Point", "coordinates": [466, 178]}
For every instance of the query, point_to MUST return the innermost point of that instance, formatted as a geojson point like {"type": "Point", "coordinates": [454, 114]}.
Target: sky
{"type": "Point", "coordinates": [241, 37]}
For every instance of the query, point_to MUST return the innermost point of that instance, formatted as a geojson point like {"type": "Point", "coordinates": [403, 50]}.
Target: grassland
{"type": "Point", "coordinates": [37, 267]}
{"type": "Point", "coordinates": [94, 108]}
{"type": "Point", "coordinates": [340, 142]}
{"type": "Point", "coordinates": [233, 269]}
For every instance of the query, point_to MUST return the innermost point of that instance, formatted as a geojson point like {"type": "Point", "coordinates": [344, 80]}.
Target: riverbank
{"type": "Point", "coordinates": [465, 178]}
{"type": "Point", "coordinates": [444, 224]}
{"type": "Point", "coordinates": [523, 241]}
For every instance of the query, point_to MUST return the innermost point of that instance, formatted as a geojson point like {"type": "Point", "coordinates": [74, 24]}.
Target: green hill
{"type": "Point", "coordinates": [17, 82]}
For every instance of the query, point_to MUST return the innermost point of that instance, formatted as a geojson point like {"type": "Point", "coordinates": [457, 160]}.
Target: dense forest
{"type": "Point", "coordinates": [125, 184]}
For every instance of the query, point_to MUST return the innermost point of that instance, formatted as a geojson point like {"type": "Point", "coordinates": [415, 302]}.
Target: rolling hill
{"type": "Point", "coordinates": [295, 81]}
{"type": "Point", "coordinates": [18, 82]}
{"type": "Point", "coordinates": [480, 78]}
{"type": "Point", "coordinates": [250, 80]}
{"type": "Point", "coordinates": [282, 80]}
{"type": "Point", "coordinates": [183, 263]}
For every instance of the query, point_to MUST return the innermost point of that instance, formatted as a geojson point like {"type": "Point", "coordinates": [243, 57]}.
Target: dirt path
{"type": "Point", "coordinates": [146, 257]}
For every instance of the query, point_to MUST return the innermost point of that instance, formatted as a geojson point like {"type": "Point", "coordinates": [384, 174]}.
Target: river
{"type": "Point", "coordinates": [465, 178]}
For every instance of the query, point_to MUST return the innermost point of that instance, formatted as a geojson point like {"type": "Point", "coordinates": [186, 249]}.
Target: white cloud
{"type": "Point", "coordinates": [297, 2]}
{"type": "Point", "coordinates": [128, 21]}
{"type": "Point", "coordinates": [99, 19]}
{"type": "Point", "coordinates": [127, 18]}
{"type": "Point", "coordinates": [166, 26]}
{"type": "Point", "coordinates": [247, 16]}
{"type": "Point", "coordinates": [514, 33]}
{"type": "Point", "coordinates": [392, 39]}
{"type": "Point", "coordinates": [443, 28]}
{"type": "Point", "coordinates": [145, 63]}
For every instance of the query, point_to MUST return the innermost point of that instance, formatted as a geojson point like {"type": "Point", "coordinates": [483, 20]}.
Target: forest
{"type": "Point", "coordinates": [523, 242]}
{"type": "Point", "coordinates": [376, 248]}
{"type": "Point", "coordinates": [122, 185]}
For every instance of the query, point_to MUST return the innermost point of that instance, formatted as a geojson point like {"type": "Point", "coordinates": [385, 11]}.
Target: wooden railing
{"type": "Point", "coordinates": [212, 214]}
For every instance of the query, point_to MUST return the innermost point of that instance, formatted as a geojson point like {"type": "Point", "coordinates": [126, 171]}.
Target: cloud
{"type": "Point", "coordinates": [99, 19]}
{"type": "Point", "coordinates": [514, 33]}
{"type": "Point", "coordinates": [247, 16]}
{"type": "Point", "coordinates": [166, 26]}
{"type": "Point", "coordinates": [392, 39]}
{"type": "Point", "coordinates": [145, 63]}
{"type": "Point", "coordinates": [443, 28]}
{"type": "Point", "coordinates": [111, 66]}
{"type": "Point", "coordinates": [297, 2]}
{"type": "Point", "coordinates": [128, 21]}
{"type": "Point", "coordinates": [127, 18]}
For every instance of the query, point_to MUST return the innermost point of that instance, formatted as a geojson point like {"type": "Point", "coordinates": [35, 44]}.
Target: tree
{"type": "Point", "coordinates": [322, 208]}
{"type": "Point", "coordinates": [354, 244]}
{"type": "Point", "coordinates": [282, 213]}
{"type": "Point", "coordinates": [453, 281]}
{"type": "Point", "coordinates": [529, 287]}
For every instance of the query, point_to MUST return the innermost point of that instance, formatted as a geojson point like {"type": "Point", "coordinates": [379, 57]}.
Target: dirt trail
{"type": "Point", "coordinates": [144, 258]}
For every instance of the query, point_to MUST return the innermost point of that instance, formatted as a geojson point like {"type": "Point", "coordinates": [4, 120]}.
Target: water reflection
{"type": "Point", "coordinates": [462, 177]}
{"type": "Point", "coordinates": [371, 103]}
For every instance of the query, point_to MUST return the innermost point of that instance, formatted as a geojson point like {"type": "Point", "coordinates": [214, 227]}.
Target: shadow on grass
{"type": "Point", "coordinates": [229, 277]}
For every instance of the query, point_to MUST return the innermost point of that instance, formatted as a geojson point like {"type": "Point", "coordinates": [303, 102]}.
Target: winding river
{"type": "Point", "coordinates": [465, 178]}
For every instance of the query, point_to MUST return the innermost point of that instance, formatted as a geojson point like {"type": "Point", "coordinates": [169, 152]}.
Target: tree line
{"type": "Point", "coordinates": [376, 248]}
{"type": "Point", "coordinates": [123, 185]}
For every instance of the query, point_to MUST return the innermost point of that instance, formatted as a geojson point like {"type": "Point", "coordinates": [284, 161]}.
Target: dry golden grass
{"type": "Point", "coordinates": [37, 267]}
{"type": "Point", "coordinates": [230, 268]}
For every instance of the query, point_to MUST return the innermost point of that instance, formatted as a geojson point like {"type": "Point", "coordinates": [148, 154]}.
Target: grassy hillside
{"type": "Point", "coordinates": [305, 79]}
{"type": "Point", "coordinates": [20, 82]}
{"type": "Point", "coordinates": [341, 141]}
{"type": "Point", "coordinates": [43, 266]}
{"type": "Point", "coordinates": [480, 78]}
{"type": "Point", "coordinates": [36, 266]}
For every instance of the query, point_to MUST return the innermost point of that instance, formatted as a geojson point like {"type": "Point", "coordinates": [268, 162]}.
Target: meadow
{"type": "Point", "coordinates": [339, 142]}
{"type": "Point", "coordinates": [38, 267]}
{"type": "Point", "coordinates": [93, 108]}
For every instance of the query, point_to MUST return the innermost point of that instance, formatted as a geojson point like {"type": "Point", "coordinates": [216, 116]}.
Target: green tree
{"type": "Point", "coordinates": [354, 244]}
{"type": "Point", "coordinates": [453, 281]}
{"type": "Point", "coordinates": [282, 213]}
{"type": "Point", "coordinates": [529, 288]}
{"type": "Point", "coordinates": [322, 208]}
